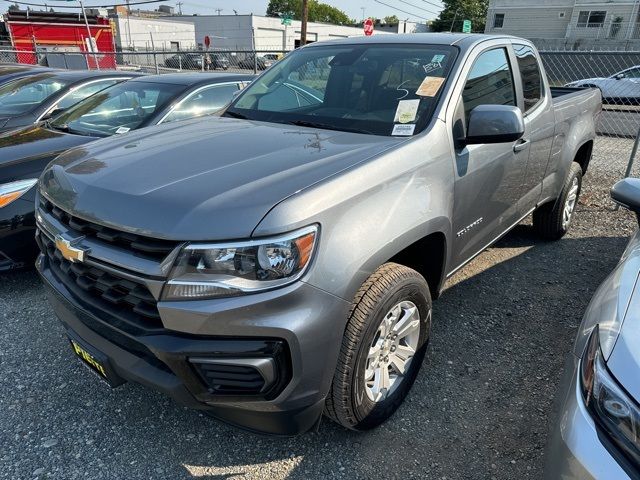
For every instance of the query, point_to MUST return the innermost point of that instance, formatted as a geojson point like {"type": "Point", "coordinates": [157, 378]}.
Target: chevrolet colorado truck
{"type": "Point", "coordinates": [279, 261]}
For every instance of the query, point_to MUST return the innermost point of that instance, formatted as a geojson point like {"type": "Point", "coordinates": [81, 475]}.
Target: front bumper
{"type": "Point", "coordinates": [18, 248]}
{"type": "Point", "coordinates": [306, 321]}
{"type": "Point", "coordinates": [576, 450]}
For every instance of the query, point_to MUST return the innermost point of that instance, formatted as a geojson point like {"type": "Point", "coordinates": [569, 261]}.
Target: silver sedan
{"type": "Point", "coordinates": [597, 431]}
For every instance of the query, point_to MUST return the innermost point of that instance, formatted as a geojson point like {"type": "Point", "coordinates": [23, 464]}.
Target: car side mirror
{"type": "Point", "coordinates": [619, 76]}
{"type": "Point", "coordinates": [53, 113]}
{"type": "Point", "coordinates": [626, 193]}
{"type": "Point", "coordinates": [494, 124]}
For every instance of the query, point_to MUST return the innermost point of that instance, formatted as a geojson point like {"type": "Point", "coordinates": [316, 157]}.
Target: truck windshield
{"type": "Point", "coordinates": [378, 89]}
{"type": "Point", "coordinates": [117, 109]}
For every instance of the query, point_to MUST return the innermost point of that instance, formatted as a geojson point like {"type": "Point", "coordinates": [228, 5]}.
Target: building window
{"type": "Point", "coordinates": [561, 14]}
{"type": "Point", "coordinates": [591, 18]}
{"type": "Point", "coordinates": [498, 20]}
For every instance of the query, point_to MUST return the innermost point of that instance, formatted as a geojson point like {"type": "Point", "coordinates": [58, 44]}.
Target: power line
{"type": "Point", "coordinates": [419, 8]}
{"type": "Point", "coordinates": [395, 8]}
{"type": "Point", "coordinates": [137, 2]}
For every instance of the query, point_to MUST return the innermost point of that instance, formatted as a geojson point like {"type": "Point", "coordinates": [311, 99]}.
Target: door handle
{"type": "Point", "coordinates": [524, 143]}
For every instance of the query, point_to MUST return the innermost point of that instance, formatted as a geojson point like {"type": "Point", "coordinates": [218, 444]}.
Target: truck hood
{"type": "Point", "coordinates": [208, 179]}
{"type": "Point", "coordinates": [28, 150]}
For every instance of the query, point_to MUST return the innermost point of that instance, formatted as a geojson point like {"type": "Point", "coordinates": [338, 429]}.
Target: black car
{"type": "Point", "coordinates": [13, 71]}
{"type": "Point", "coordinates": [138, 103]}
{"type": "Point", "coordinates": [261, 63]}
{"type": "Point", "coordinates": [25, 101]}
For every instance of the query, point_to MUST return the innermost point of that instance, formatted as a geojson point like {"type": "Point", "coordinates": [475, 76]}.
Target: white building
{"type": "Point", "coordinates": [246, 32]}
{"type": "Point", "coordinates": [142, 33]}
{"type": "Point", "coordinates": [591, 23]}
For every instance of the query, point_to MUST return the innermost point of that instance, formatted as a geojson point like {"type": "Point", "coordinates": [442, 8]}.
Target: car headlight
{"type": "Point", "coordinates": [611, 407]}
{"type": "Point", "coordinates": [12, 191]}
{"type": "Point", "coordinates": [232, 269]}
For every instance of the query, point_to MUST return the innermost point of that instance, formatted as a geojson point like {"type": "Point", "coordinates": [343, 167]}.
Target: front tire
{"type": "Point", "coordinates": [382, 349]}
{"type": "Point", "coordinates": [552, 220]}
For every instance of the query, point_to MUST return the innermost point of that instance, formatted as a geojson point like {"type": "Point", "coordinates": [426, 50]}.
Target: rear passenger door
{"type": "Point", "coordinates": [488, 177]}
{"type": "Point", "coordinates": [539, 120]}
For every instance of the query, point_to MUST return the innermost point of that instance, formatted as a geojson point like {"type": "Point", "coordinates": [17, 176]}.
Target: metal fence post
{"type": "Point", "coordinates": [632, 158]}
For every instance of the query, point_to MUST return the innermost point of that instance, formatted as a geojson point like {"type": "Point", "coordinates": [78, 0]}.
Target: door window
{"type": "Point", "coordinates": [203, 102]}
{"type": "Point", "coordinates": [530, 74]}
{"type": "Point", "coordinates": [490, 81]}
{"type": "Point", "coordinates": [84, 91]}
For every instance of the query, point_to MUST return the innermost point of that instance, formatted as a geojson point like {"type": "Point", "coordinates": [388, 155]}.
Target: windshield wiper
{"type": "Point", "coordinates": [326, 126]}
{"type": "Point", "coordinates": [235, 115]}
{"type": "Point", "coordinates": [63, 128]}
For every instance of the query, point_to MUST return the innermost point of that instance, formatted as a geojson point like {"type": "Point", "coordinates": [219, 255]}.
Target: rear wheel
{"type": "Point", "coordinates": [552, 220]}
{"type": "Point", "coordinates": [382, 349]}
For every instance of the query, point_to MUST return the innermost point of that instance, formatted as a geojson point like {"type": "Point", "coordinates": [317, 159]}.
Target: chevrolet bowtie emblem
{"type": "Point", "coordinates": [68, 251]}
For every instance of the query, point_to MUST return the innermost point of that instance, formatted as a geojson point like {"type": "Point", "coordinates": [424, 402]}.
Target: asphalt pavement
{"type": "Point", "coordinates": [480, 409]}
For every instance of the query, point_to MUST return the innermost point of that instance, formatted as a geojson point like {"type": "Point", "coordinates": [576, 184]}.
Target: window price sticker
{"type": "Point", "coordinates": [403, 129]}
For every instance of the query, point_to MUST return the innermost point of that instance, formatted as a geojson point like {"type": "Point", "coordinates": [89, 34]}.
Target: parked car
{"type": "Point", "coordinates": [596, 433]}
{"type": "Point", "coordinates": [193, 61]}
{"type": "Point", "coordinates": [279, 261]}
{"type": "Point", "coordinates": [28, 100]}
{"type": "Point", "coordinates": [620, 88]}
{"type": "Point", "coordinates": [17, 70]}
{"type": "Point", "coordinates": [131, 105]}
{"type": "Point", "coordinates": [260, 63]}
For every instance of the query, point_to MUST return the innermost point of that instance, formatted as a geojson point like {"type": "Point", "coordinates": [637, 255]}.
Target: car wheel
{"type": "Point", "coordinates": [382, 349]}
{"type": "Point", "coordinates": [552, 220]}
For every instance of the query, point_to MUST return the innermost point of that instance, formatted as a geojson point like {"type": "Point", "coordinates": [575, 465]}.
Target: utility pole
{"type": "Point", "coordinates": [179, 4]}
{"type": "Point", "coordinates": [128, 24]}
{"type": "Point", "coordinates": [218, 10]}
{"type": "Point", "coordinates": [89, 38]}
{"type": "Point", "coordinates": [453, 21]}
{"type": "Point", "coordinates": [303, 29]}
{"type": "Point", "coordinates": [362, 8]}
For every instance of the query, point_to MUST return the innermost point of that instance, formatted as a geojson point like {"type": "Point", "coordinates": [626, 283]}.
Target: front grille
{"type": "Point", "coordinates": [124, 299]}
{"type": "Point", "coordinates": [231, 379]}
{"type": "Point", "coordinates": [139, 245]}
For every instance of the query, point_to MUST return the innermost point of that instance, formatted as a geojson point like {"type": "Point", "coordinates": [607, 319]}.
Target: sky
{"type": "Point", "coordinates": [417, 10]}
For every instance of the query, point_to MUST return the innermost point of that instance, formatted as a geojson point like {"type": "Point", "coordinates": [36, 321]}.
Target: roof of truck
{"type": "Point", "coordinates": [414, 38]}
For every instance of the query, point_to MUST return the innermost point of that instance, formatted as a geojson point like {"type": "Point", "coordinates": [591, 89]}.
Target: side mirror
{"type": "Point", "coordinates": [619, 76]}
{"type": "Point", "coordinates": [53, 113]}
{"type": "Point", "coordinates": [494, 124]}
{"type": "Point", "coordinates": [626, 193]}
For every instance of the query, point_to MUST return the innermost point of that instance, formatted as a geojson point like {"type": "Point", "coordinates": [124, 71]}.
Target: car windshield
{"type": "Point", "coordinates": [375, 89]}
{"type": "Point", "coordinates": [23, 95]}
{"type": "Point", "coordinates": [117, 109]}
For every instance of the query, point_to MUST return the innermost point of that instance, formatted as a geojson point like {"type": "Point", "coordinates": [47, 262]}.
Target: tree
{"type": "Point", "coordinates": [391, 20]}
{"type": "Point", "coordinates": [318, 12]}
{"type": "Point", "coordinates": [474, 10]}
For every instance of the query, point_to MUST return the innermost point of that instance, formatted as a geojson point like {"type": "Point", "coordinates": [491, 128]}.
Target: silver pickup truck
{"type": "Point", "coordinates": [279, 261]}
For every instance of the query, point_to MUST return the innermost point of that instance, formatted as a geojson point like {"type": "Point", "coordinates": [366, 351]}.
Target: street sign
{"type": "Point", "coordinates": [286, 20]}
{"type": "Point", "coordinates": [207, 41]}
{"type": "Point", "coordinates": [368, 27]}
{"type": "Point", "coordinates": [466, 26]}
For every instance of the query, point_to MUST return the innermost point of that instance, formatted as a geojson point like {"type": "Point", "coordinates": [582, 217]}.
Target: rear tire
{"type": "Point", "coordinates": [553, 220]}
{"type": "Point", "coordinates": [382, 349]}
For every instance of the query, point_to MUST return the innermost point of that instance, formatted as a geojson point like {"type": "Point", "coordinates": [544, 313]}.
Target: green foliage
{"type": "Point", "coordinates": [392, 20]}
{"type": "Point", "coordinates": [474, 10]}
{"type": "Point", "coordinates": [318, 12]}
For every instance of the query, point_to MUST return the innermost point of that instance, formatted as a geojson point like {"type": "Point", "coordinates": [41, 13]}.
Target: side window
{"type": "Point", "coordinates": [80, 93]}
{"type": "Point", "coordinates": [530, 73]}
{"type": "Point", "coordinates": [203, 102]}
{"type": "Point", "coordinates": [490, 81]}
{"type": "Point", "coordinates": [632, 73]}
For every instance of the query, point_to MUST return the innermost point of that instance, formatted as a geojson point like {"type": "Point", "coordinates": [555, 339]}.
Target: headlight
{"type": "Point", "coordinates": [14, 190]}
{"type": "Point", "coordinates": [612, 409]}
{"type": "Point", "coordinates": [225, 270]}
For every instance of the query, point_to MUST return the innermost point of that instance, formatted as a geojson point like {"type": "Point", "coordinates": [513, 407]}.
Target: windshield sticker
{"type": "Point", "coordinates": [431, 67]}
{"type": "Point", "coordinates": [437, 59]}
{"type": "Point", "coordinates": [122, 130]}
{"type": "Point", "coordinates": [400, 89]}
{"type": "Point", "coordinates": [404, 130]}
{"type": "Point", "coordinates": [407, 111]}
{"type": "Point", "coordinates": [429, 86]}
